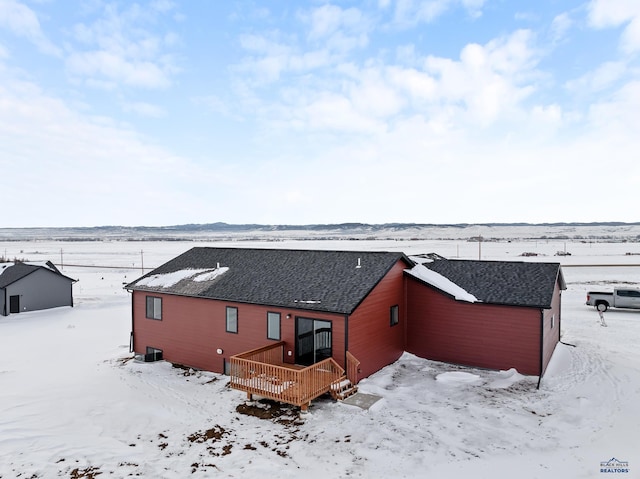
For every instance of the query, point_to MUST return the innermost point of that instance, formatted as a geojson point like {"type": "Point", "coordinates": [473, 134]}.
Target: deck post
{"type": "Point", "coordinates": [305, 407]}
{"type": "Point", "coordinates": [249, 396]}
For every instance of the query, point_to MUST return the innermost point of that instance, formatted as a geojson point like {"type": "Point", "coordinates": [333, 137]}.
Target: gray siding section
{"type": "Point", "coordinates": [41, 289]}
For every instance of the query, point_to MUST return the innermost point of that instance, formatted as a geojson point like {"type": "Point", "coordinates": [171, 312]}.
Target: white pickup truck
{"type": "Point", "coordinates": [620, 298]}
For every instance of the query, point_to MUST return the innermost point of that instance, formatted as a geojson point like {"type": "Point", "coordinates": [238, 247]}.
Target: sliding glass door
{"type": "Point", "coordinates": [313, 340]}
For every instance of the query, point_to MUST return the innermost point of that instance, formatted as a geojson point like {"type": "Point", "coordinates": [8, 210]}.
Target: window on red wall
{"type": "Point", "coordinates": [153, 354]}
{"type": "Point", "coordinates": [394, 315]}
{"type": "Point", "coordinates": [273, 326]}
{"type": "Point", "coordinates": [154, 307]}
{"type": "Point", "coordinates": [232, 319]}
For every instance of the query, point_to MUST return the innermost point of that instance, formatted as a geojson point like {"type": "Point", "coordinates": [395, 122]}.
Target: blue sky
{"type": "Point", "coordinates": [429, 111]}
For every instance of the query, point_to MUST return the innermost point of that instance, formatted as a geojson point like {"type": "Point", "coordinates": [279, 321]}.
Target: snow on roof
{"type": "Point", "coordinates": [42, 264]}
{"type": "Point", "coordinates": [166, 280]}
{"type": "Point", "coordinates": [4, 267]}
{"type": "Point", "coordinates": [437, 280]}
{"type": "Point", "coordinates": [208, 276]}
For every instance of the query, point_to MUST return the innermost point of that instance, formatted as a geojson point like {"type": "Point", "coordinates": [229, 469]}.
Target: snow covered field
{"type": "Point", "coordinates": [72, 405]}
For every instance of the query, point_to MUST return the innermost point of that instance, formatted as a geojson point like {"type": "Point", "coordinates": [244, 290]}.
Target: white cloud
{"type": "Point", "coordinates": [268, 59]}
{"type": "Point", "coordinates": [487, 84]}
{"type": "Point", "coordinates": [90, 165]}
{"type": "Point", "coordinates": [163, 6]}
{"type": "Point", "coordinates": [489, 80]}
{"type": "Point", "coordinates": [114, 68]}
{"type": "Point", "coordinates": [118, 48]}
{"type": "Point", "coordinates": [23, 21]}
{"type": "Point", "coordinates": [412, 12]}
{"type": "Point", "coordinates": [615, 13]}
{"type": "Point", "coordinates": [527, 16]}
{"type": "Point", "coordinates": [329, 21]}
{"type": "Point", "coordinates": [560, 25]}
{"type": "Point", "coordinates": [611, 13]}
{"type": "Point", "coordinates": [419, 86]}
{"type": "Point", "coordinates": [271, 57]}
{"type": "Point", "coordinates": [474, 120]}
{"type": "Point", "coordinates": [374, 96]}
{"type": "Point", "coordinates": [212, 102]}
{"type": "Point", "coordinates": [337, 113]}
{"type": "Point", "coordinates": [145, 109]}
{"type": "Point", "coordinates": [335, 29]}
{"type": "Point", "coordinates": [603, 77]}
{"type": "Point", "coordinates": [617, 114]}
{"type": "Point", "coordinates": [332, 34]}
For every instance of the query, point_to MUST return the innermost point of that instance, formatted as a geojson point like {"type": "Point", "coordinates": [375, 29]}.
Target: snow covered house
{"type": "Point", "coordinates": [33, 286]}
{"type": "Point", "coordinates": [294, 324]}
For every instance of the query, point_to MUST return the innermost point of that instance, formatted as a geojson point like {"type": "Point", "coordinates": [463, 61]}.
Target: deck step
{"type": "Point", "coordinates": [342, 389]}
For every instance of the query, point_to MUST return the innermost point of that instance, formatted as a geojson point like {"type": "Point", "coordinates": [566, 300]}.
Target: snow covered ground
{"type": "Point", "coordinates": [72, 405]}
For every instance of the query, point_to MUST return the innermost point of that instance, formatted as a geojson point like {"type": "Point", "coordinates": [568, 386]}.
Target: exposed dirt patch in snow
{"type": "Point", "coordinates": [88, 473]}
{"type": "Point", "coordinates": [216, 433]}
{"type": "Point", "coordinates": [267, 409]}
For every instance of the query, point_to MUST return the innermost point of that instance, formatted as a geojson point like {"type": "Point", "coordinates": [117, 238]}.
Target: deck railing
{"type": "Point", "coordinates": [262, 372]}
{"type": "Point", "coordinates": [353, 368]}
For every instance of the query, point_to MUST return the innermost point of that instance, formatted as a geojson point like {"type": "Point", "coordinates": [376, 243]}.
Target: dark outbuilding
{"type": "Point", "coordinates": [33, 286]}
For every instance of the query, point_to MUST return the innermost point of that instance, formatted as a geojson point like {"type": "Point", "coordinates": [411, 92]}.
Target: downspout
{"type": "Point", "coordinates": [71, 291]}
{"type": "Point", "coordinates": [131, 345]}
{"type": "Point", "coordinates": [541, 346]}
{"type": "Point", "coordinates": [559, 314]}
{"type": "Point", "coordinates": [4, 308]}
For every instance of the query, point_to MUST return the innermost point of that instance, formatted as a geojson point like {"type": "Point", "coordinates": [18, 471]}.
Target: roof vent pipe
{"type": "Point", "coordinates": [218, 265]}
{"type": "Point", "coordinates": [359, 265]}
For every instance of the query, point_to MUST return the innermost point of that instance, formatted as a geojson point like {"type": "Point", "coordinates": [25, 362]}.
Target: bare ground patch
{"type": "Point", "coordinates": [86, 473]}
{"type": "Point", "coordinates": [280, 413]}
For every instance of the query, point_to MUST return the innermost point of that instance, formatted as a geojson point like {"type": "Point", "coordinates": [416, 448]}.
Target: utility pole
{"type": "Point", "coordinates": [142, 261]}
{"type": "Point", "coordinates": [61, 260]}
{"type": "Point", "coordinates": [479, 247]}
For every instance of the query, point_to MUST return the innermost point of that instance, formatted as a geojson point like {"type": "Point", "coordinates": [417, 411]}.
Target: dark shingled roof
{"type": "Point", "coordinates": [515, 283]}
{"type": "Point", "coordinates": [314, 280]}
{"type": "Point", "coordinates": [10, 273]}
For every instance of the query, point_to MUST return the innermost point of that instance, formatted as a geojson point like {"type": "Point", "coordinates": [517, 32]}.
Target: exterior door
{"type": "Point", "coordinates": [14, 304]}
{"type": "Point", "coordinates": [313, 341]}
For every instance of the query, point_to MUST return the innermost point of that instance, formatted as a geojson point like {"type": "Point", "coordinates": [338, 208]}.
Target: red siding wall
{"type": "Point", "coordinates": [431, 325]}
{"type": "Point", "coordinates": [192, 329]}
{"type": "Point", "coordinates": [551, 334]}
{"type": "Point", "coordinates": [489, 336]}
{"type": "Point", "coordinates": [372, 339]}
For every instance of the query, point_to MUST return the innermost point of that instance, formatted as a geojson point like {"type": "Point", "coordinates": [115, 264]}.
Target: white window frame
{"type": "Point", "coordinates": [274, 321]}
{"type": "Point", "coordinates": [153, 308]}
{"type": "Point", "coordinates": [231, 325]}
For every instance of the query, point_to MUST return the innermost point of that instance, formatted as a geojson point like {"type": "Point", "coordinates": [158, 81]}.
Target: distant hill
{"type": "Point", "coordinates": [611, 231]}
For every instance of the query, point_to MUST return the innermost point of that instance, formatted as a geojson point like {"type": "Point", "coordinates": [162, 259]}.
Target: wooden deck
{"type": "Point", "coordinates": [263, 372]}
